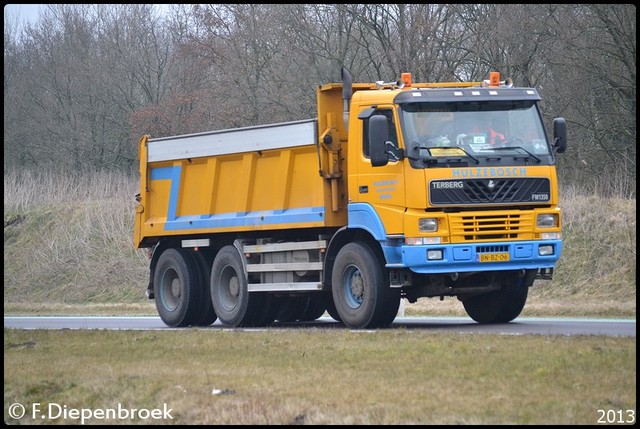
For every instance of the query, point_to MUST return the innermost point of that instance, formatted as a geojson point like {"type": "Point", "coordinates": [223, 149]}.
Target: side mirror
{"type": "Point", "coordinates": [560, 135]}
{"type": "Point", "coordinates": [378, 133]}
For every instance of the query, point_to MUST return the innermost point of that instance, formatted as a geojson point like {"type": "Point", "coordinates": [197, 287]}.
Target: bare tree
{"type": "Point", "coordinates": [84, 82]}
{"type": "Point", "coordinates": [591, 81]}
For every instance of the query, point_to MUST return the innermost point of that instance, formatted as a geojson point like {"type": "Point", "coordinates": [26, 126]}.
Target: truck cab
{"type": "Point", "coordinates": [457, 186]}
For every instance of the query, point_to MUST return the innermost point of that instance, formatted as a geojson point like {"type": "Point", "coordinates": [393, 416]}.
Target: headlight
{"type": "Point", "coordinates": [427, 224]}
{"type": "Point", "coordinates": [418, 241]}
{"type": "Point", "coordinates": [545, 250]}
{"type": "Point", "coordinates": [547, 220]}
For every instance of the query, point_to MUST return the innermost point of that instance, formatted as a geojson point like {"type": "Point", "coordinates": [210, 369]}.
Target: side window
{"type": "Point", "coordinates": [392, 137]}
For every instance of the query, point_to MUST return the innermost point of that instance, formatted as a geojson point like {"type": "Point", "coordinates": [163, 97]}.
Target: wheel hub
{"type": "Point", "coordinates": [234, 286]}
{"type": "Point", "coordinates": [175, 287]}
{"type": "Point", "coordinates": [357, 285]}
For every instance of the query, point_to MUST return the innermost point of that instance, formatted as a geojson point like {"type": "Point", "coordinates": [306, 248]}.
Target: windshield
{"type": "Point", "coordinates": [479, 129]}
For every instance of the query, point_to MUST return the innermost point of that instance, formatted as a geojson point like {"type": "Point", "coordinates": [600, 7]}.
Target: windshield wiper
{"type": "Point", "coordinates": [518, 147]}
{"type": "Point", "coordinates": [451, 147]}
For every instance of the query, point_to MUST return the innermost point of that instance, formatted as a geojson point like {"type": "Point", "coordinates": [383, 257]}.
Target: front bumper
{"type": "Point", "coordinates": [469, 257]}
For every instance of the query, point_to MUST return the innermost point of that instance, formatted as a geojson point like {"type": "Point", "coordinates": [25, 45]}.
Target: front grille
{"type": "Point", "coordinates": [499, 226]}
{"type": "Point", "coordinates": [534, 190]}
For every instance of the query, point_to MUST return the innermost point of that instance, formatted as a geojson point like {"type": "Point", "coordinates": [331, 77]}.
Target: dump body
{"type": "Point", "coordinates": [253, 178]}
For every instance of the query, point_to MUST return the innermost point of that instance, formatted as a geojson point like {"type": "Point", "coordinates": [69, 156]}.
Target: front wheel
{"type": "Point", "coordinates": [500, 306]}
{"type": "Point", "coordinates": [360, 291]}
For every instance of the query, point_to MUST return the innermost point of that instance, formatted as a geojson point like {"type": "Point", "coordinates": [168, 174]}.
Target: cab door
{"type": "Point", "coordinates": [381, 187]}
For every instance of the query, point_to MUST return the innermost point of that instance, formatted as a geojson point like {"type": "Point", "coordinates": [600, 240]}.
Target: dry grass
{"type": "Point", "coordinates": [29, 189]}
{"type": "Point", "coordinates": [323, 376]}
{"type": "Point", "coordinates": [69, 240]}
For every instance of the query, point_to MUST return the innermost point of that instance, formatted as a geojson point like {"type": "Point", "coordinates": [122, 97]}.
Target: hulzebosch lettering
{"type": "Point", "coordinates": [489, 172]}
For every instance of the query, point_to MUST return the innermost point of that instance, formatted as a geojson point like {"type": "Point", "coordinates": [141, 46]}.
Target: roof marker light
{"type": "Point", "coordinates": [406, 78]}
{"type": "Point", "coordinates": [494, 79]}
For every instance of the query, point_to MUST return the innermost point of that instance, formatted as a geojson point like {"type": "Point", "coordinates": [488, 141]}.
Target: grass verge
{"type": "Point", "coordinates": [320, 376]}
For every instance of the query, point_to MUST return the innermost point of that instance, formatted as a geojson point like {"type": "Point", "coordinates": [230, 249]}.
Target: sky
{"type": "Point", "coordinates": [30, 12]}
{"type": "Point", "coordinates": [22, 12]}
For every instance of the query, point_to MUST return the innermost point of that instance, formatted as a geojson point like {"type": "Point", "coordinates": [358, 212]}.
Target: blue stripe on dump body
{"type": "Point", "coordinates": [267, 217]}
{"type": "Point", "coordinates": [173, 174]}
{"type": "Point", "coordinates": [225, 220]}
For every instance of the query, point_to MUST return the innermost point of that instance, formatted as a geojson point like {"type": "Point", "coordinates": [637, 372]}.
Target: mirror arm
{"type": "Point", "coordinates": [395, 152]}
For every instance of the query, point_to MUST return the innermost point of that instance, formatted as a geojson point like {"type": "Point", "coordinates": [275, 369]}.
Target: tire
{"type": "Point", "coordinates": [359, 287]}
{"type": "Point", "coordinates": [176, 289]}
{"type": "Point", "coordinates": [390, 312]}
{"type": "Point", "coordinates": [331, 306]}
{"type": "Point", "coordinates": [501, 306]}
{"type": "Point", "coordinates": [206, 315]}
{"type": "Point", "coordinates": [230, 296]}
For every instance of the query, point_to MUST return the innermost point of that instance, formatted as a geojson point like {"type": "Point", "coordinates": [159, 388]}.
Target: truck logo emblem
{"type": "Point", "coordinates": [458, 184]}
{"type": "Point", "coordinates": [491, 185]}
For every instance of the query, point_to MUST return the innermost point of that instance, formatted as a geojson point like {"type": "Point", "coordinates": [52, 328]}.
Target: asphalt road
{"type": "Point", "coordinates": [520, 326]}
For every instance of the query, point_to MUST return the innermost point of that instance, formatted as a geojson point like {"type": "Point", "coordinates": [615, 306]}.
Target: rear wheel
{"type": "Point", "coordinates": [177, 292]}
{"type": "Point", "coordinates": [359, 289]}
{"type": "Point", "coordinates": [206, 315]}
{"type": "Point", "coordinates": [230, 296]}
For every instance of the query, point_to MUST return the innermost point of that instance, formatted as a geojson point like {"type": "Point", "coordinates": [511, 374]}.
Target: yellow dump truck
{"type": "Point", "coordinates": [397, 190]}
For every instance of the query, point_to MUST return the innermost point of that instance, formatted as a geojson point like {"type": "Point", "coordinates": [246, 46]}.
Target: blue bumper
{"type": "Point", "coordinates": [467, 257]}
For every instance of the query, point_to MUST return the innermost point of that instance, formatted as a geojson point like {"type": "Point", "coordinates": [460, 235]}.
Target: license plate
{"type": "Point", "coordinates": [494, 257]}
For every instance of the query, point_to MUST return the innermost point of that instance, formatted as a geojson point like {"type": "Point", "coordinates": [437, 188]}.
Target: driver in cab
{"type": "Point", "coordinates": [480, 133]}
